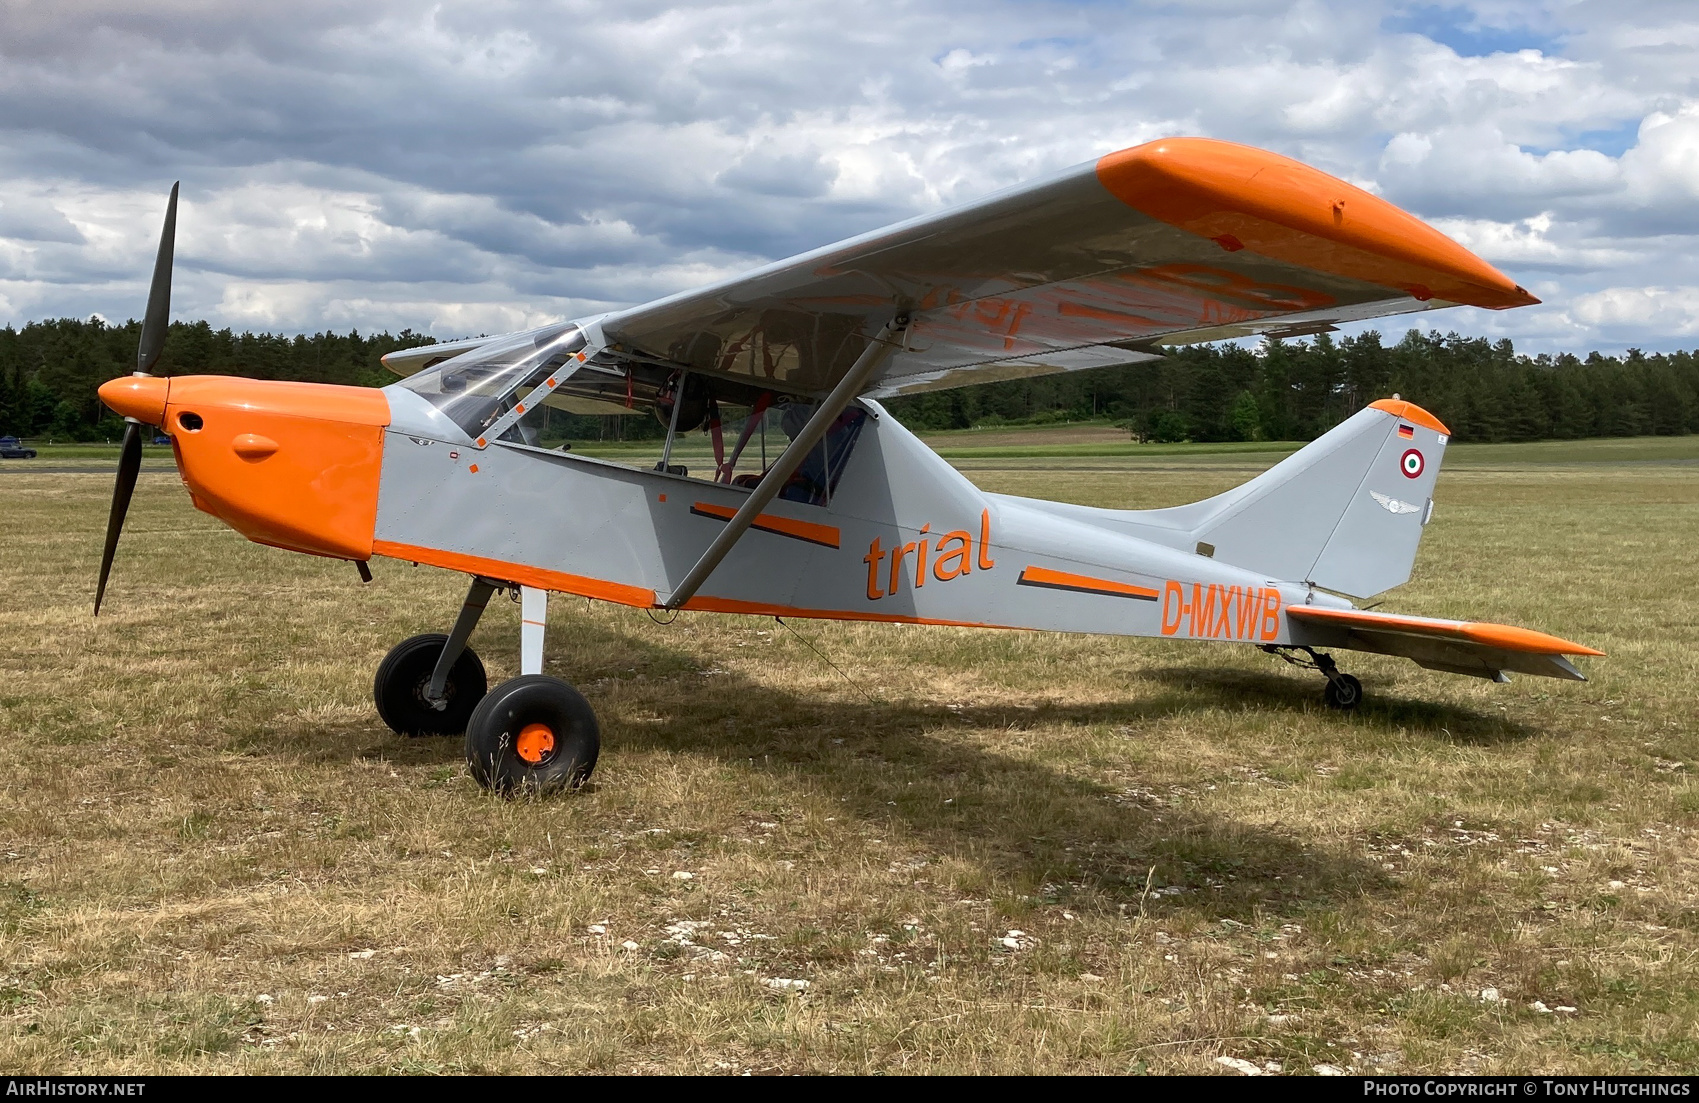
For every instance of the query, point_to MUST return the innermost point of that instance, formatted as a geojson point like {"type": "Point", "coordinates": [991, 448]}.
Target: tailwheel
{"type": "Point", "coordinates": [402, 688]}
{"type": "Point", "coordinates": [1343, 692]}
{"type": "Point", "coordinates": [532, 734]}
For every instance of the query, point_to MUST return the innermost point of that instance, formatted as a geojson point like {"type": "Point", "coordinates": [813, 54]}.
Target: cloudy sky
{"type": "Point", "coordinates": [463, 167]}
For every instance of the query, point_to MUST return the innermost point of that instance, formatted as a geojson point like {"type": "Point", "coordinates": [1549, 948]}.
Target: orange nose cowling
{"type": "Point", "coordinates": [142, 397]}
{"type": "Point", "coordinates": [294, 465]}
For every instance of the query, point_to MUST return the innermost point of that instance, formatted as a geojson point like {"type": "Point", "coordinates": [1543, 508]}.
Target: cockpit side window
{"type": "Point", "coordinates": [725, 431]}
{"type": "Point", "coordinates": [477, 387]}
{"type": "Point", "coordinates": [816, 478]}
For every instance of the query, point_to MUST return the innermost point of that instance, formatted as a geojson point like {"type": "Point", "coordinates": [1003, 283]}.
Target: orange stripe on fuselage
{"type": "Point", "coordinates": [1062, 580]}
{"type": "Point", "coordinates": [637, 596]}
{"type": "Point", "coordinates": [764, 609]}
{"type": "Point", "coordinates": [1504, 636]}
{"type": "Point", "coordinates": [558, 581]}
{"type": "Point", "coordinates": [825, 535]}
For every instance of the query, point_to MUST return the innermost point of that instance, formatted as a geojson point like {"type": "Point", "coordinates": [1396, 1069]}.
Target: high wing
{"type": "Point", "coordinates": [1173, 242]}
{"type": "Point", "coordinates": [1459, 647]}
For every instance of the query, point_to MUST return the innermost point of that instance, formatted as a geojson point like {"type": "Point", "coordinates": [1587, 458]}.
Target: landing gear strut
{"type": "Point", "coordinates": [1343, 692]}
{"type": "Point", "coordinates": [402, 688]}
{"type": "Point", "coordinates": [533, 733]}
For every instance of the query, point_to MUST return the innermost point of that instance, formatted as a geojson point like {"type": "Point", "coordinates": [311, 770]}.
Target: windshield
{"type": "Point", "coordinates": [477, 387]}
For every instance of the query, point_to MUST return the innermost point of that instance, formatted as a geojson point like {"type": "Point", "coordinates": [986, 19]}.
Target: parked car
{"type": "Point", "coordinates": [11, 448]}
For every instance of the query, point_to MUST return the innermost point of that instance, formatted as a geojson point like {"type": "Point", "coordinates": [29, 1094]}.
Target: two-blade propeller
{"type": "Point", "coordinates": [154, 326]}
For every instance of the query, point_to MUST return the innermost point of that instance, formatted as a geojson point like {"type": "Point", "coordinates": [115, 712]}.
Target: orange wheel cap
{"type": "Point", "coordinates": [535, 743]}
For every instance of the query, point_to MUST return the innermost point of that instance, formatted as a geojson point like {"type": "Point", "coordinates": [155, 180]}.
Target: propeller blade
{"type": "Point", "coordinates": [158, 318]}
{"type": "Point", "coordinates": [129, 466]}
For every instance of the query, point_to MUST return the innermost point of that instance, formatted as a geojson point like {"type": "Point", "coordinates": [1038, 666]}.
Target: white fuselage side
{"type": "Point", "coordinates": [905, 538]}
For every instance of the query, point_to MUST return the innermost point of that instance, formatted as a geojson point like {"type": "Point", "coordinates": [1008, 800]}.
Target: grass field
{"type": "Point", "coordinates": [969, 852]}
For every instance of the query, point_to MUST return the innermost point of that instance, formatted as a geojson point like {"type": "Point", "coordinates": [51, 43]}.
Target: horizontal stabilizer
{"type": "Point", "coordinates": [1459, 647]}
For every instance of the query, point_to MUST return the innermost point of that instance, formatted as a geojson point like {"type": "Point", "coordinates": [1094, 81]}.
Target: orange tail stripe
{"type": "Point", "coordinates": [557, 581]}
{"type": "Point", "coordinates": [824, 535]}
{"type": "Point", "coordinates": [1409, 411]}
{"type": "Point", "coordinates": [1062, 580]}
{"type": "Point", "coordinates": [1504, 636]}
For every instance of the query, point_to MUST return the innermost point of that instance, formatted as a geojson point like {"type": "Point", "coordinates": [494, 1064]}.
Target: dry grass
{"type": "Point", "coordinates": [214, 858]}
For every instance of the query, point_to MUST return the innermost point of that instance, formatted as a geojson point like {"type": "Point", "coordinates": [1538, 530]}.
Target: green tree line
{"type": "Point", "coordinates": [1483, 390]}
{"type": "Point", "coordinates": [1284, 390]}
{"type": "Point", "coordinates": [50, 371]}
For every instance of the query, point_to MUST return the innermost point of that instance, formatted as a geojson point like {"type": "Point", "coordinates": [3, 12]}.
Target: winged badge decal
{"type": "Point", "coordinates": [1393, 505]}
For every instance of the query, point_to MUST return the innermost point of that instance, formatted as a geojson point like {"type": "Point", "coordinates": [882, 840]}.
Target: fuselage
{"type": "Point", "coordinates": [903, 537]}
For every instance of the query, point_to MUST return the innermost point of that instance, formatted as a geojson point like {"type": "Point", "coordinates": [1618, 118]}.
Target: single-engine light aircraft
{"type": "Point", "coordinates": [1173, 242]}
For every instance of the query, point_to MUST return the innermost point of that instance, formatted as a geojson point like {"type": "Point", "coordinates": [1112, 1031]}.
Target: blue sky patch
{"type": "Point", "coordinates": [1454, 25]}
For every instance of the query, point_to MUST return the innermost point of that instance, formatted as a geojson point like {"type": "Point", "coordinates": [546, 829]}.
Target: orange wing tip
{"type": "Point", "coordinates": [1410, 412]}
{"type": "Point", "coordinates": [1244, 197]}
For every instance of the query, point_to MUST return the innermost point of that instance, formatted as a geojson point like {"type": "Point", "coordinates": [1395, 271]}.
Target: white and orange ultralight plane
{"type": "Point", "coordinates": [1173, 242]}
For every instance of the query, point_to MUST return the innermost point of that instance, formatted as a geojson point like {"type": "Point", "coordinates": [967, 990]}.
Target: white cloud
{"type": "Point", "coordinates": [1663, 166]}
{"type": "Point", "coordinates": [1672, 310]}
{"type": "Point", "coordinates": [464, 165]}
{"type": "Point", "coordinates": [1531, 243]}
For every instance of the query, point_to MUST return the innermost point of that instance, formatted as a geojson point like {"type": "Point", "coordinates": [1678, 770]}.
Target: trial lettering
{"type": "Point", "coordinates": [952, 556]}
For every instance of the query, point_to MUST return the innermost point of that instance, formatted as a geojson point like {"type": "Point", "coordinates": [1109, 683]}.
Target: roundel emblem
{"type": "Point", "coordinates": [1412, 464]}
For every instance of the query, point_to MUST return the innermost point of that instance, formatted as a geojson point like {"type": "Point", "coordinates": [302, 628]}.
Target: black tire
{"type": "Point", "coordinates": [405, 674]}
{"type": "Point", "coordinates": [500, 759]}
{"type": "Point", "coordinates": [1343, 692]}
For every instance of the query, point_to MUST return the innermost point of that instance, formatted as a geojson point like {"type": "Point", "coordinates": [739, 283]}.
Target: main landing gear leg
{"type": "Point", "coordinates": [429, 685]}
{"type": "Point", "coordinates": [471, 611]}
{"type": "Point", "coordinates": [534, 733]}
{"type": "Point", "coordinates": [533, 619]}
{"type": "Point", "coordinates": [1343, 692]}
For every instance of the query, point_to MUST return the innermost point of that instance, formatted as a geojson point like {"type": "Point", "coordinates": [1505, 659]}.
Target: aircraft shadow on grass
{"type": "Point", "coordinates": [1036, 827]}
{"type": "Point", "coordinates": [1228, 687]}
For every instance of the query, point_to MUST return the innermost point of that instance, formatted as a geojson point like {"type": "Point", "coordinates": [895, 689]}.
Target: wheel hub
{"type": "Point", "coordinates": [422, 693]}
{"type": "Point", "coordinates": [536, 743]}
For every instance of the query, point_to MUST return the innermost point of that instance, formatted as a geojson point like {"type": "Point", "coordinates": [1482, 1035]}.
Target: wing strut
{"type": "Point", "coordinates": [774, 480]}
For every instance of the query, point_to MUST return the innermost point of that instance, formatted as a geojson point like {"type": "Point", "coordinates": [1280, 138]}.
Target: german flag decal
{"type": "Point", "coordinates": [1407, 431]}
{"type": "Point", "coordinates": [1083, 584]}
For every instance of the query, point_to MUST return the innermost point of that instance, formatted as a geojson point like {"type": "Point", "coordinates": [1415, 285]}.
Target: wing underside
{"type": "Point", "coordinates": [1475, 648]}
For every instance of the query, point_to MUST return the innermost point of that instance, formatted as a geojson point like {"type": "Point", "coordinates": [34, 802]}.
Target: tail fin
{"type": "Point", "coordinates": [1344, 512]}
